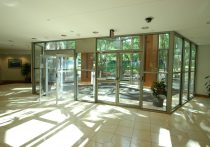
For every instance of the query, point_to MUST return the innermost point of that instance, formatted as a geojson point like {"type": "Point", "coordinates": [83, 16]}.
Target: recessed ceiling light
{"type": "Point", "coordinates": [95, 32]}
{"type": "Point", "coordinates": [48, 19]}
{"type": "Point", "coordinates": [145, 27]}
{"type": "Point", "coordinates": [208, 22]}
{"type": "Point", "coordinates": [63, 35]}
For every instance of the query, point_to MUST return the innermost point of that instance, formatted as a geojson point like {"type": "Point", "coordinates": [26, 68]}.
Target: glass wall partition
{"type": "Point", "coordinates": [124, 70]}
{"type": "Point", "coordinates": [192, 70]}
{"type": "Point", "coordinates": [185, 73]}
{"type": "Point", "coordinates": [38, 51]}
{"type": "Point", "coordinates": [155, 71]}
{"type": "Point", "coordinates": [86, 76]}
{"type": "Point", "coordinates": [177, 69]}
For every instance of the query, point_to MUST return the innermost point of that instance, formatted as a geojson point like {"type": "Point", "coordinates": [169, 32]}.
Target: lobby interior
{"type": "Point", "coordinates": [92, 87]}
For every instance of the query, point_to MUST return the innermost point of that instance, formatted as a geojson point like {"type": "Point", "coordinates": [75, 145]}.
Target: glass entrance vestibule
{"type": "Point", "coordinates": [149, 71]}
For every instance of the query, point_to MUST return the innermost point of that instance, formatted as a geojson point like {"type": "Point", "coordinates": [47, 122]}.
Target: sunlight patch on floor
{"type": "Point", "coordinates": [66, 137]}
{"type": "Point", "coordinates": [25, 132]}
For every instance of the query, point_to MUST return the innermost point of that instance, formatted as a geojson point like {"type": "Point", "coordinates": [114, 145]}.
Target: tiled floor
{"type": "Point", "coordinates": [26, 122]}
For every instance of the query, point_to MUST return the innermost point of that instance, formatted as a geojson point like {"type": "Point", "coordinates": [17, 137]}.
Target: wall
{"type": "Point", "coordinates": [86, 45]}
{"type": "Point", "coordinates": [203, 68]}
{"type": "Point", "coordinates": [12, 74]}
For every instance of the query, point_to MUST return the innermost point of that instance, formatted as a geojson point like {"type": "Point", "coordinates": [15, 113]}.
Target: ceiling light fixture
{"type": "Point", "coordinates": [63, 35]}
{"type": "Point", "coordinates": [95, 32]}
{"type": "Point", "coordinates": [145, 28]}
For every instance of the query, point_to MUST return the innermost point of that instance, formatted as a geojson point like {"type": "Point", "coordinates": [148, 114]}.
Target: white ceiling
{"type": "Point", "coordinates": [22, 20]}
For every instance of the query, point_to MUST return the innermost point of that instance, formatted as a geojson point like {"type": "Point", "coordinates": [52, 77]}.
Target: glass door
{"type": "Point", "coordinates": [107, 77]}
{"type": "Point", "coordinates": [118, 78]}
{"type": "Point", "coordinates": [129, 78]}
{"type": "Point", "coordinates": [57, 73]}
{"type": "Point", "coordinates": [48, 84]}
{"type": "Point", "coordinates": [65, 77]}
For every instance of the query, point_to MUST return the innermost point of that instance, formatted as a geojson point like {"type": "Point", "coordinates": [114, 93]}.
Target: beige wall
{"type": "Point", "coordinates": [12, 74]}
{"type": "Point", "coordinates": [203, 68]}
{"type": "Point", "coordinates": [86, 45]}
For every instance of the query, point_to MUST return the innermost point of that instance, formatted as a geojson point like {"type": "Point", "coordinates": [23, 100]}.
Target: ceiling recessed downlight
{"type": "Point", "coordinates": [63, 35]}
{"type": "Point", "coordinates": [145, 27]}
{"type": "Point", "coordinates": [95, 32]}
{"type": "Point", "coordinates": [10, 40]}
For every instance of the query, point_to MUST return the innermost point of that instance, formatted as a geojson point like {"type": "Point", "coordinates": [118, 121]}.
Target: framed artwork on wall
{"type": "Point", "coordinates": [14, 63]}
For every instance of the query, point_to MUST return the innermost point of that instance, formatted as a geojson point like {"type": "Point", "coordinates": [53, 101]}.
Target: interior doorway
{"type": "Point", "coordinates": [118, 77]}
{"type": "Point", "coordinates": [58, 78]}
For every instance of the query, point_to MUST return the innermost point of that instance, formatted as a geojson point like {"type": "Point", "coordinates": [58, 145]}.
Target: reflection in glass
{"type": "Point", "coordinates": [177, 59]}
{"type": "Point", "coordinates": [162, 60]}
{"type": "Point", "coordinates": [164, 41]}
{"type": "Point", "coordinates": [118, 43]}
{"type": "Point", "coordinates": [129, 90]}
{"type": "Point", "coordinates": [107, 66]}
{"type": "Point", "coordinates": [107, 91]}
{"type": "Point", "coordinates": [149, 99]}
{"type": "Point", "coordinates": [61, 45]}
{"type": "Point", "coordinates": [192, 78]}
{"type": "Point", "coordinates": [176, 83]}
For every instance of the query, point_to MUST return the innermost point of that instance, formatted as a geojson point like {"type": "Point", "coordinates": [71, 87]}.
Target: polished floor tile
{"type": "Point", "coordinates": [24, 121]}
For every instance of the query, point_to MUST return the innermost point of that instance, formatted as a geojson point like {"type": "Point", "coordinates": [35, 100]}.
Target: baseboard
{"type": "Point", "coordinates": [202, 95]}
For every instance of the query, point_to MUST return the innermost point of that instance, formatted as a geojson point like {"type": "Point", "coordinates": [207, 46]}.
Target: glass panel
{"type": "Point", "coordinates": [151, 54]}
{"type": "Point", "coordinates": [66, 45]}
{"type": "Point", "coordinates": [65, 83]}
{"type": "Point", "coordinates": [185, 81]}
{"type": "Point", "coordinates": [162, 60]}
{"type": "Point", "coordinates": [192, 78]}
{"type": "Point", "coordinates": [162, 77]}
{"type": "Point", "coordinates": [118, 43]}
{"type": "Point", "coordinates": [86, 77]}
{"type": "Point", "coordinates": [60, 45]}
{"type": "Point", "coordinates": [163, 41]}
{"type": "Point", "coordinates": [129, 92]}
{"type": "Point", "coordinates": [107, 66]}
{"type": "Point", "coordinates": [37, 79]}
{"type": "Point", "coordinates": [186, 55]}
{"type": "Point", "coordinates": [48, 81]}
{"type": "Point", "coordinates": [107, 91]}
{"type": "Point", "coordinates": [176, 89]}
{"type": "Point", "coordinates": [127, 43]}
{"type": "Point", "coordinates": [108, 44]}
{"type": "Point", "coordinates": [185, 87]}
{"type": "Point", "coordinates": [177, 61]}
{"type": "Point", "coordinates": [130, 43]}
{"type": "Point", "coordinates": [151, 98]}
{"type": "Point", "coordinates": [136, 42]}
{"type": "Point", "coordinates": [51, 46]}
{"type": "Point", "coordinates": [193, 52]}
{"type": "Point", "coordinates": [37, 55]}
